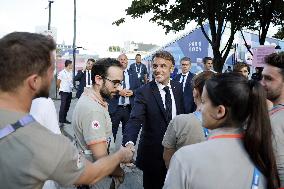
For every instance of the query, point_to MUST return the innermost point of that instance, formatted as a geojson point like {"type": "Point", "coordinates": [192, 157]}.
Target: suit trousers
{"type": "Point", "coordinates": [121, 114]}
{"type": "Point", "coordinates": [64, 106]}
{"type": "Point", "coordinates": [153, 179]}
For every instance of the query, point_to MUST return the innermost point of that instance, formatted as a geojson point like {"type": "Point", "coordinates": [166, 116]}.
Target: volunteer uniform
{"type": "Point", "coordinates": [92, 124]}
{"type": "Point", "coordinates": [277, 124]}
{"type": "Point", "coordinates": [219, 163]}
{"type": "Point", "coordinates": [32, 154]}
{"type": "Point", "coordinates": [183, 130]}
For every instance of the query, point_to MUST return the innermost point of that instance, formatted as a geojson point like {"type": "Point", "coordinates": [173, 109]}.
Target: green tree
{"type": "Point", "coordinates": [280, 34]}
{"type": "Point", "coordinates": [256, 15]}
{"type": "Point", "coordinates": [263, 14]}
{"type": "Point", "coordinates": [174, 17]}
{"type": "Point", "coordinates": [114, 48]}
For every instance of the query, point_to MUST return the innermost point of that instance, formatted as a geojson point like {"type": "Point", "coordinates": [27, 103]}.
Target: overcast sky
{"type": "Point", "coordinates": [95, 31]}
{"type": "Point", "coordinates": [94, 22]}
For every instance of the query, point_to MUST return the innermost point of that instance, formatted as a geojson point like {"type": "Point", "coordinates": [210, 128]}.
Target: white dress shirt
{"type": "Point", "coordinates": [184, 81]}
{"type": "Point", "coordinates": [43, 110]}
{"type": "Point", "coordinates": [163, 95]}
{"type": "Point", "coordinates": [66, 84]}
{"type": "Point", "coordinates": [88, 74]}
{"type": "Point", "coordinates": [127, 86]}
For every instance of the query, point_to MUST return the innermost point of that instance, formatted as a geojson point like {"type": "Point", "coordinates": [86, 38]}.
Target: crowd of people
{"type": "Point", "coordinates": [205, 130]}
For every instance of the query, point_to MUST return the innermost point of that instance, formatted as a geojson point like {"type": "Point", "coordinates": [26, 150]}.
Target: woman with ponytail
{"type": "Point", "coordinates": [238, 152]}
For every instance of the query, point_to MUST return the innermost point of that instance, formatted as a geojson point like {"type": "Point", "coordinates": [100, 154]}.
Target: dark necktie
{"type": "Point", "coordinates": [89, 78]}
{"type": "Point", "coordinates": [123, 86]}
{"type": "Point", "coordinates": [183, 76]}
{"type": "Point", "coordinates": [168, 102]}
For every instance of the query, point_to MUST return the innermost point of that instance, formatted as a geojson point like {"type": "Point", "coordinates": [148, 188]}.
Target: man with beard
{"type": "Point", "coordinates": [273, 82]}
{"type": "Point", "coordinates": [155, 104]}
{"type": "Point", "coordinates": [30, 153]}
{"type": "Point", "coordinates": [91, 120]}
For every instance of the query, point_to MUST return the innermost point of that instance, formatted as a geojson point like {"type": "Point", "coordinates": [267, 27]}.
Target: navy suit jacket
{"type": "Point", "coordinates": [148, 111]}
{"type": "Point", "coordinates": [81, 77]}
{"type": "Point", "coordinates": [143, 71]}
{"type": "Point", "coordinates": [189, 105]}
{"type": "Point", "coordinates": [133, 85]}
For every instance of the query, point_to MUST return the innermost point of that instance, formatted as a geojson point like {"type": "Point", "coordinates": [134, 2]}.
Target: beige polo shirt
{"type": "Point", "coordinates": [91, 122]}
{"type": "Point", "coordinates": [183, 130]}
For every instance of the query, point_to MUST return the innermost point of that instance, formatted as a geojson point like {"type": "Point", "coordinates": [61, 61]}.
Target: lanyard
{"type": "Point", "coordinates": [256, 172]}
{"type": "Point", "coordinates": [276, 108]}
{"type": "Point", "coordinates": [8, 129]}
{"type": "Point", "coordinates": [256, 178]}
{"type": "Point", "coordinates": [138, 71]}
{"type": "Point", "coordinates": [226, 136]}
{"type": "Point", "coordinates": [199, 117]}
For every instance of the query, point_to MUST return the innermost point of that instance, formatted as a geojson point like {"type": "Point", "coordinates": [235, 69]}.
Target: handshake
{"type": "Point", "coordinates": [127, 153]}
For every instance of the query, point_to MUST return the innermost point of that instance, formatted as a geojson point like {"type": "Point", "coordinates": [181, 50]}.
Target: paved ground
{"type": "Point", "coordinates": [133, 176]}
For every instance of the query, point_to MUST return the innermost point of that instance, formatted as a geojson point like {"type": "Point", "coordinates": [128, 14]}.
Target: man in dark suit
{"type": "Point", "coordinates": [185, 78]}
{"type": "Point", "coordinates": [155, 104]}
{"type": "Point", "coordinates": [84, 77]}
{"type": "Point", "coordinates": [140, 69]}
{"type": "Point", "coordinates": [120, 105]}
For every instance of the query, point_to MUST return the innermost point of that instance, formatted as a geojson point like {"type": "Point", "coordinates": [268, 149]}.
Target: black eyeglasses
{"type": "Point", "coordinates": [115, 83]}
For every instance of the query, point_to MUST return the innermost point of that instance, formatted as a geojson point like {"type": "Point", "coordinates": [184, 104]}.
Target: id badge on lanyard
{"type": "Point", "coordinates": [138, 71]}
{"type": "Point", "coordinates": [256, 178]}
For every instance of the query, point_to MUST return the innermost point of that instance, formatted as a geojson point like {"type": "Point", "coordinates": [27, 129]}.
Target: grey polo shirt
{"type": "Point", "coordinates": [91, 123]}
{"type": "Point", "coordinates": [277, 123]}
{"type": "Point", "coordinates": [183, 130]}
{"type": "Point", "coordinates": [33, 154]}
{"type": "Point", "coordinates": [214, 164]}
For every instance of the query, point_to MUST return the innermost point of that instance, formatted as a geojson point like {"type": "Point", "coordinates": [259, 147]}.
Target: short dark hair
{"type": "Point", "coordinates": [276, 60]}
{"type": "Point", "coordinates": [101, 67]}
{"type": "Point", "coordinates": [165, 55]}
{"type": "Point", "coordinates": [137, 55]}
{"type": "Point", "coordinates": [21, 55]}
{"type": "Point", "coordinates": [205, 59]}
{"type": "Point", "coordinates": [185, 59]}
{"type": "Point", "coordinates": [240, 65]}
{"type": "Point", "coordinates": [67, 63]}
{"type": "Point", "coordinates": [91, 59]}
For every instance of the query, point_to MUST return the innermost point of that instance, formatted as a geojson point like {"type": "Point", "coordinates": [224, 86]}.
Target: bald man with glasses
{"type": "Point", "coordinates": [121, 105]}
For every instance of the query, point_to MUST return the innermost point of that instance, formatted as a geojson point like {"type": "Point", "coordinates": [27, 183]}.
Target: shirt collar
{"type": "Point", "coordinates": [91, 93]}
{"type": "Point", "coordinates": [185, 74]}
{"type": "Point", "coordinates": [161, 86]}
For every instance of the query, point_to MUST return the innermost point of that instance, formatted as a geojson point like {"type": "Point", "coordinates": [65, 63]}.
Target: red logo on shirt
{"type": "Point", "coordinates": [95, 125]}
